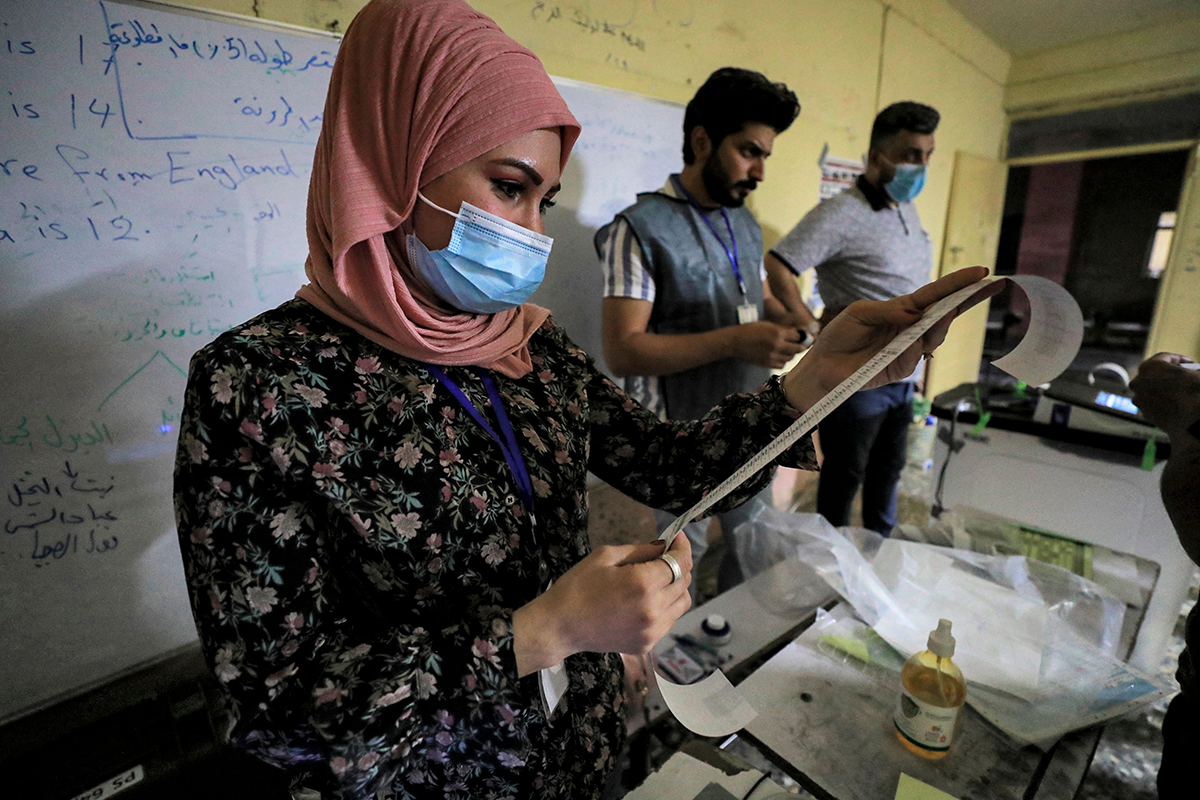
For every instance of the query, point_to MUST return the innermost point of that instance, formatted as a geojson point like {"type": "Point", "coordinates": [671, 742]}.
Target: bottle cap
{"type": "Point", "coordinates": [941, 643]}
{"type": "Point", "coordinates": [716, 628]}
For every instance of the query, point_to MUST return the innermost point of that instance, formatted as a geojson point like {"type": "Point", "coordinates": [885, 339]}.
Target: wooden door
{"type": "Point", "coordinates": [971, 238]}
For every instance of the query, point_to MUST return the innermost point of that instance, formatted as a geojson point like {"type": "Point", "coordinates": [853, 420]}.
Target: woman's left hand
{"type": "Point", "coordinates": [858, 333]}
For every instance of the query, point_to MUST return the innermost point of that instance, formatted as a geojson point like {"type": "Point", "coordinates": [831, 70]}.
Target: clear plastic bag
{"type": "Point", "coordinates": [1041, 639]}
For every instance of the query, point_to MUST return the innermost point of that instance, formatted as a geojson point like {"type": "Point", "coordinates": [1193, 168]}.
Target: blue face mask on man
{"type": "Point", "coordinates": [908, 183]}
{"type": "Point", "coordinates": [490, 265]}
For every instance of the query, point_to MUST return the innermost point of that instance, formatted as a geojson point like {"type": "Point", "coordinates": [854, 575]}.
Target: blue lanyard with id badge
{"type": "Point", "coordinates": [553, 681]}
{"type": "Point", "coordinates": [746, 311]}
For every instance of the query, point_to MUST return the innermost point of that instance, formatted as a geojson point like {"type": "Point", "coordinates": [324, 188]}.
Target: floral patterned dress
{"type": "Point", "coordinates": [355, 549]}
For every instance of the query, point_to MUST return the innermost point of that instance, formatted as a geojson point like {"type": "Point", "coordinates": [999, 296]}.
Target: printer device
{"type": "Point", "coordinates": [1086, 407]}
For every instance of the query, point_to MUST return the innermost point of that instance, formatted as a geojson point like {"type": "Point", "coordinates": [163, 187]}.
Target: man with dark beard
{"type": "Point", "coordinates": [688, 318]}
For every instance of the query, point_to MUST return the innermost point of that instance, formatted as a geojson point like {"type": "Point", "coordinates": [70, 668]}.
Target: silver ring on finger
{"type": "Point", "coordinates": [669, 560]}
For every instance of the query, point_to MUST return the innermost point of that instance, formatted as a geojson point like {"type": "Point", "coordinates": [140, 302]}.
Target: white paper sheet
{"type": "Point", "coordinates": [1054, 335]}
{"type": "Point", "coordinates": [554, 683]}
{"type": "Point", "coordinates": [899, 560]}
{"type": "Point", "coordinates": [712, 707]}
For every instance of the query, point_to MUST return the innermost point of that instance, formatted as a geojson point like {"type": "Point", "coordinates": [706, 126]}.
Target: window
{"type": "Point", "coordinates": [1169, 120]}
{"type": "Point", "coordinates": [1160, 245]}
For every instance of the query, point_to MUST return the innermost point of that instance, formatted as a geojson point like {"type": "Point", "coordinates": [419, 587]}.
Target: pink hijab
{"type": "Point", "coordinates": [419, 87]}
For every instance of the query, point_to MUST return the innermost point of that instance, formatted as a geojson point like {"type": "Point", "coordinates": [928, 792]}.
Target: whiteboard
{"type": "Point", "coordinates": [153, 182]}
{"type": "Point", "coordinates": [629, 144]}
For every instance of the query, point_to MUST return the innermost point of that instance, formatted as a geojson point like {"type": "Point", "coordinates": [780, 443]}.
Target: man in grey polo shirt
{"type": "Point", "coordinates": [866, 243]}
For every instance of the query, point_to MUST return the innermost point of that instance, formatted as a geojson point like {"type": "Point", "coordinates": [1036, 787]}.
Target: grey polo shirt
{"type": "Point", "coordinates": [862, 246]}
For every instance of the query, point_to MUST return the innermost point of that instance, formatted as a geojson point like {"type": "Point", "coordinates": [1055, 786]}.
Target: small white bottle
{"type": "Point", "coordinates": [716, 629]}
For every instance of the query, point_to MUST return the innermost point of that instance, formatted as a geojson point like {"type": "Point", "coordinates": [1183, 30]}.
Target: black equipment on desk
{"type": "Point", "coordinates": [1072, 412]}
{"type": "Point", "coordinates": [1095, 399]}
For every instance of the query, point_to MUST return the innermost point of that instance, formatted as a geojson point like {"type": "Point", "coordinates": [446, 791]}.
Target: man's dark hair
{"type": "Point", "coordinates": [732, 97]}
{"type": "Point", "coordinates": [903, 116]}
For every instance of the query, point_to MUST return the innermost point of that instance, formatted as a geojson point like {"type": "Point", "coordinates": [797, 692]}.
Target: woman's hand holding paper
{"type": "Point", "coordinates": [619, 599]}
{"type": "Point", "coordinates": [852, 338]}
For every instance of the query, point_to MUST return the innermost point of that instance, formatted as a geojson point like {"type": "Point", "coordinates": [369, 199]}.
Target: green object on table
{"type": "Point", "coordinates": [1057, 550]}
{"type": "Point", "coordinates": [910, 788]}
{"type": "Point", "coordinates": [984, 416]}
{"type": "Point", "coordinates": [859, 640]}
{"type": "Point", "coordinates": [921, 407]}
{"type": "Point", "coordinates": [846, 644]}
{"type": "Point", "coordinates": [1150, 453]}
{"type": "Point", "coordinates": [984, 419]}
{"type": "Point", "coordinates": [1019, 389]}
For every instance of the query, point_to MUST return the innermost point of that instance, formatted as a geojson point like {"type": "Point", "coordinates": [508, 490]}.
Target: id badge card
{"type": "Point", "coordinates": [747, 312]}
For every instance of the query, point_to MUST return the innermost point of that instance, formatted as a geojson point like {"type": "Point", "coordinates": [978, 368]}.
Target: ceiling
{"type": "Point", "coordinates": [1025, 26]}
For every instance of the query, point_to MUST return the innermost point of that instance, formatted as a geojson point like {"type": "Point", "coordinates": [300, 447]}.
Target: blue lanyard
{"type": "Point", "coordinates": [508, 445]}
{"type": "Point", "coordinates": [732, 255]}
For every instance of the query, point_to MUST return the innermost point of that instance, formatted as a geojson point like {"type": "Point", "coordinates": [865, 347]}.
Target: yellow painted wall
{"type": "Point", "coordinates": [1164, 59]}
{"type": "Point", "coordinates": [972, 236]}
{"type": "Point", "coordinates": [827, 51]}
{"type": "Point", "coordinates": [969, 95]}
{"type": "Point", "coordinates": [1176, 327]}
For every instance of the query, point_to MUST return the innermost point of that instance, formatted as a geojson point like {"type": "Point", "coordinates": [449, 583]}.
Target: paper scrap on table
{"type": "Point", "coordinates": [711, 707]}
{"type": "Point", "coordinates": [910, 788]}
{"type": "Point", "coordinates": [1047, 349]}
{"type": "Point", "coordinates": [715, 791]}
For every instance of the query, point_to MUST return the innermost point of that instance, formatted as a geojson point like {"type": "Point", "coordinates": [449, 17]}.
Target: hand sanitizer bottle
{"type": "Point", "coordinates": [931, 697]}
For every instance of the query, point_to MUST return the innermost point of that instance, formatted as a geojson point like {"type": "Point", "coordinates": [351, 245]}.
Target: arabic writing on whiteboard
{"type": "Point", "coordinates": [60, 514]}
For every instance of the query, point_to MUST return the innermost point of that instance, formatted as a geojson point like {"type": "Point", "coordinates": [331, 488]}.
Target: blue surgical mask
{"type": "Point", "coordinates": [909, 180]}
{"type": "Point", "coordinates": [490, 265]}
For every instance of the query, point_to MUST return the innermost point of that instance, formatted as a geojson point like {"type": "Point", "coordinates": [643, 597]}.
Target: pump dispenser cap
{"type": "Point", "coordinates": [941, 643]}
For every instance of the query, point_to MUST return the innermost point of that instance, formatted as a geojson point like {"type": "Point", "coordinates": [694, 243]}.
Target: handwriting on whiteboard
{"type": "Point", "coordinates": [61, 513]}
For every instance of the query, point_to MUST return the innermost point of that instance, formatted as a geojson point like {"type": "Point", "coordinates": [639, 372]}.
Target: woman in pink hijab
{"type": "Point", "coordinates": [381, 486]}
